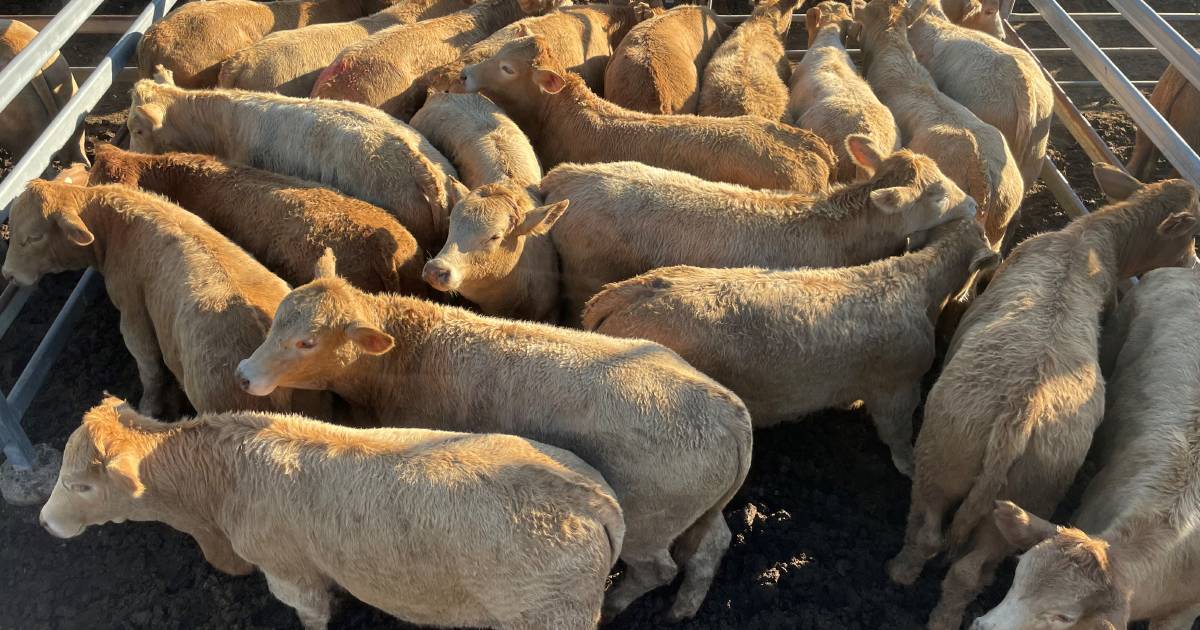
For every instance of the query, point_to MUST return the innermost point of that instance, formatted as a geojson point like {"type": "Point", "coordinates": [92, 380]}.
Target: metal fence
{"type": "Point", "coordinates": [75, 18]}
{"type": "Point", "coordinates": [15, 76]}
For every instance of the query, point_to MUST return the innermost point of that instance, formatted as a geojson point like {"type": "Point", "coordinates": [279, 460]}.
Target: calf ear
{"type": "Point", "coordinates": [326, 265]}
{"type": "Point", "coordinates": [456, 192]}
{"type": "Point", "coordinates": [153, 114]}
{"type": "Point", "coordinates": [1020, 528]}
{"type": "Point", "coordinates": [892, 200]}
{"type": "Point", "coordinates": [549, 81]}
{"type": "Point", "coordinates": [74, 228]}
{"type": "Point", "coordinates": [124, 471]}
{"type": "Point", "coordinates": [1178, 225]}
{"type": "Point", "coordinates": [370, 339]}
{"type": "Point", "coordinates": [1116, 183]}
{"type": "Point", "coordinates": [864, 153]}
{"type": "Point", "coordinates": [812, 17]}
{"type": "Point", "coordinates": [539, 220]}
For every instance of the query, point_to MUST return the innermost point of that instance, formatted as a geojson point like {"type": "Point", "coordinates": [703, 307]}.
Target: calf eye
{"type": "Point", "coordinates": [81, 488]}
{"type": "Point", "coordinates": [33, 238]}
{"type": "Point", "coordinates": [495, 237]}
{"type": "Point", "coordinates": [507, 69]}
{"type": "Point", "coordinates": [306, 344]}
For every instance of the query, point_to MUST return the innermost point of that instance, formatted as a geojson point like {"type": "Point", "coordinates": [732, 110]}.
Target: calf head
{"type": "Point", "coordinates": [828, 13]}
{"type": "Point", "coordinates": [100, 479]}
{"type": "Point", "coordinates": [878, 17]}
{"type": "Point", "coordinates": [982, 16]}
{"type": "Point", "coordinates": [1164, 219]}
{"type": "Point", "coordinates": [779, 12]}
{"type": "Point", "coordinates": [150, 101]}
{"type": "Point", "coordinates": [910, 185]}
{"type": "Point", "coordinates": [1064, 580]}
{"type": "Point", "coordinates": [319, 330]}
{"type": "Point", "coordinates": [113, 166]}
{"type": "Point", "coordinates": [76, 174]}
{"type": "Point", "coordinates": [517, 77]}
{"type": "Point", "coordinates": [47, 233]}
{"type": "Point", "coordinates": [488, 228]}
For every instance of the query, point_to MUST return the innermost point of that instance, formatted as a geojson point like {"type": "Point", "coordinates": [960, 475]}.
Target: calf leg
{"type": "Point", "coordinates": [892, 413]}
{"type": "Point", "coordinates": [923, 533]}
{"type": "Point", "coordinates": [138, 332]}
{"type": "Point", "coordinates": [309, 595]}
{"type": "Point", "coordinates": [1182, 620]}
{"type": "Point", "coordinates": [643, 573]}
{"type": "Point", "coordinates": [699, 550]}
{"type": "Point", "coordinates": [566, 613]}
{"type": "Point", "coordinates": [968, 576]}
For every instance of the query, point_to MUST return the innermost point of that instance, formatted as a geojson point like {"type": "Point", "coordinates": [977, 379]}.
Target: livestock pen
{"type": "Point", "coordinates": [820, 513]}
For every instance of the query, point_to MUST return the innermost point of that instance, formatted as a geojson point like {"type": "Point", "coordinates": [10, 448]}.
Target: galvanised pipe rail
{"type": "Point", "coordinates": [1103, 17]}
{"type": "Point", "coordinates": [29, 62]}
{"type": "Point", "coordinates": [95, 25]}
{"type": "Point", "coordinates": [13, 441]}
{"type": "Point", "coordinates": [1177, 152]}
{"type": "Point", "coordinates": [1174, 47]}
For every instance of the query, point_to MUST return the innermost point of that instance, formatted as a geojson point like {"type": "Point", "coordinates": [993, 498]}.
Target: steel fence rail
{"type": "Point", "coordinates": [29, 62]}
{"type": "Point", "coordinates": [15, 443]}
{"type": "Point", "coordinates": [1173, 46]}
{"type": "Point", "coordinates": [1177, 152]}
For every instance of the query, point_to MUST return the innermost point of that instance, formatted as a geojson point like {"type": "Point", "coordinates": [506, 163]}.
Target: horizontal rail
{"type": "Point", "coordinates": [1177, 152]}
{"type": "Point", "coordinates": [1174, 47]}
{"type": "Point", "coordinates": [95, 25]}
{"type": "Point", "coordinates": [1102, 17]}
{"type": "Point", "coordinates": [30, 61]}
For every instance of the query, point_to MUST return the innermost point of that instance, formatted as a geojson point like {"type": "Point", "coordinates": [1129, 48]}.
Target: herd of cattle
{"type": "Point", "coordinates": [741, 241]}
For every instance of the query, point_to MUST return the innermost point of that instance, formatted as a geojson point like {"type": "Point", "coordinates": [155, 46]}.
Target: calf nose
{"type": "Point", "coordinates": [242, 381]}
{"type": "Point", "coordinates": [42, 522]}
{"type": "Point", "coordinates": [438, 276]}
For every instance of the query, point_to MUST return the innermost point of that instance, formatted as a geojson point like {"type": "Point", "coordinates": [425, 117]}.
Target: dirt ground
{"type": "Point", "coordinates": [820, 513]}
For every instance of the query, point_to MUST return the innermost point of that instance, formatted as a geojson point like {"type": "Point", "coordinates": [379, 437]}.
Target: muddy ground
{"type": "Point", "coordinates": [820, 513]}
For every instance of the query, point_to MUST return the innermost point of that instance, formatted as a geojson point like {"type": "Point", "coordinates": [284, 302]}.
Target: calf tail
{"type": "Point", "coordinates": [1007, 442]}
{"type": "Point", "coordinates": [1145, 154]}
{"type": "Point", "coordinates": [615, 297]}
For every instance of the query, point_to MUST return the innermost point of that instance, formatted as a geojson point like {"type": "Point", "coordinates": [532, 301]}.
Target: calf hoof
{"type": "Point", "coordinates": [902, 573]}
{"type": "Point", "coordinates": [682, 611]}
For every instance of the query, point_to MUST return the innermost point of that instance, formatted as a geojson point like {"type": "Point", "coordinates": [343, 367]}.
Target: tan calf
{"type": "Point", "coordinates": [386, 70]}
{"type": "Point", "coordinates": [748, 73]}
{"type": "Point", "coordinates": [970, 151]}
{"type": "Point", "coordinates": [981, 15]}
{"type": "Point", "coordinates": [354, 148]}
{"type": "Point", "coordinates": [288, 62]}
{"type": "Point", "coordinates": [1139, 559]}
{"type": "Point", "coordinates": [1013, 413]}
{"type": "Point", "coordinates": [582, 38]}
{"type": "Point", "coordinates": [190, 300]}
{"type": "Point", "coordinates": [496, 253]}
{"type": "Point", "coordinates": [628, 218]}
{"type": "Point", "coordinates": [285, 223]}
{"type": "Point", "coordinates": [1179, 102]}
{"type": "Point", "coordinates": [790, 343]}
{"type": "Point", "coordinates": [657, 67]}
{"type": "Point", "coordinates": [194, 39]}
{"type": "Point", "coordinates": [449, 529]}
{"type": "Point", "coordinates": [37, 103]}
{"type": "Point", "coordinates": [830, 97]}
{"type": "Point", "coordinates": [1001, 84]}
{"type": "Point", "coordinates": [673, 443]}
{"type": "Point", "coordinates": [568, 123]}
